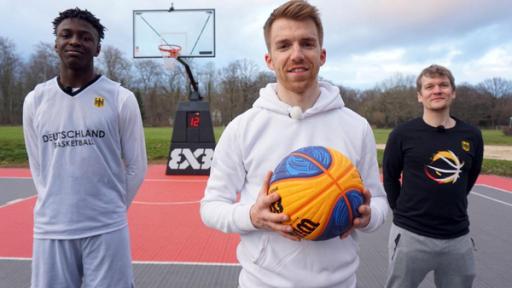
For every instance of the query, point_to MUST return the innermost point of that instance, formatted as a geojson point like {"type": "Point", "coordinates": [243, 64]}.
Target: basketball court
{"type": "Point", "coordinates": [172, 248]}
{"type": "Point", "coordinates": [170, 245]}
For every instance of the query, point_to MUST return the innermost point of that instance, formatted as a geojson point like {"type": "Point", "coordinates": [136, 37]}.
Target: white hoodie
{"type": "Point", "coordinates": [253, 144]}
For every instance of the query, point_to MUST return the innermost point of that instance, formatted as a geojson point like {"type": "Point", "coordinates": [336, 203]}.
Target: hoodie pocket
{"type": "Point", "coordinates": [261, 250]}
{"type": "Point", "coordinates": [275, 251]}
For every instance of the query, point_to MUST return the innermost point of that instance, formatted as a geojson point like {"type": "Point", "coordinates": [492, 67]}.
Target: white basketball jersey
{"type": "Point", "coordinates": [87, 156]}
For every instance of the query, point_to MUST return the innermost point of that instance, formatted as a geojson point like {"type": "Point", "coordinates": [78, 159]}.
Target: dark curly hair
{"type": "Point", "coordinates": [82, 15]}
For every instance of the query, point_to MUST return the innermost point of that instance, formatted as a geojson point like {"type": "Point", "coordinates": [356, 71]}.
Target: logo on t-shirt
{"type": "Point", "coordinates": [99, 102]}
{"type": "Point", "coordinates": [465, 145]}
{"type": "Point", "coordinates": [444, 168]}
{"type": "Point", "coordinates": [73, 138]}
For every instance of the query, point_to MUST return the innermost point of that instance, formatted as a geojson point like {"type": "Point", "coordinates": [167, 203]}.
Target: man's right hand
{"type": "Point", "coordinates": [263, 218]}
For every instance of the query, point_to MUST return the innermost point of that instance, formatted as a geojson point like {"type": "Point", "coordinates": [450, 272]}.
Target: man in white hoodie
{"type": "Point", "coordinates": [295, 112]}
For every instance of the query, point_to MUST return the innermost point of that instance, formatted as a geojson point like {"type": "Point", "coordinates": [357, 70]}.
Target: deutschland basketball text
{"type": "Point", "coordinates": [72, 138]}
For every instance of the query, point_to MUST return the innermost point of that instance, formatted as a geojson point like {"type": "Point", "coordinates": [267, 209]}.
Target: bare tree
{"type": "Point", "coordinates": [370, 107]}
{"type": "Point", "coordinates": [500, 91]}
{"type": "Point", "coordinates": [207, 78]}
{"type": "Point", "coordinates": [11, 94]}
{"type": "Point", "coordinates": [473, 105]}
{"type": "Point", "coordinates": [232, 89]}
{"type": "Point", "coordinates": [497, 87]}
{"type": "Point", "coordinates": [149, 74]}
{"type": "Point", "coordinates": [350, 97]}
{"type": "Point", "coordinates": [396, 102]}
{"type": "Point", "coordinates": [247, 70]}
{"type": "Point", "coordinates": [114, 65]}
{"type": "Point", "coordinates": [176, 88]}
{"type": "Point", "coordinates": [238, 87]}
{"type": "Point", "coordinates": [149, 77]}
{"type": "Point", "coordinates": [42, 65]}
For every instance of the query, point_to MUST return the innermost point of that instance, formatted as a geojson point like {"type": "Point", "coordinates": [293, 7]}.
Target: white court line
{"type": "Point", "coordinates": [174, 180]}
{"type": "Point", "coordinates": [147, 262]}
{"type": "Point", "coordinates": [165, 203]}
{"type": "Point", "coordinates": [16, 258]}
{"type": "Point", "coordinates": [17, 201]}
{"type": "Point", "coordinates": [492, 187]}
{"type": "Point", "coordinates": [134, 202]}
{"type": "Point", "coordinates": [146, 180]}
{"type": "Point", "coordinates": [185, 263]}
{"type": "Point", "coordinates": [492, 199]}
{"type": "Point", "coordinates": [14, 177]}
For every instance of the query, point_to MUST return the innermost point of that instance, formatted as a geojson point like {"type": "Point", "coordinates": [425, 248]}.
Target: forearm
{"type": "Point", "coordinates": [378, 204]}
{"type": "Point", "coordinates": [392, 165]}
{"type": "Point", "coordinates": [136, 164]}
{"type": "Point", "coordinates": [220, 208]}
{"type": "Point", "coordinates": [369, 170]}
{"type": "Point", "coordinates": [476, 166]}
{"type": "Point", "coordinates": [226, 217]}
{"type": "Point", "coordinates": [31, 138]}
{"type": "Point", "coordinates": [135, 173]}
{"type": "Point", "coordinates": [392, 187]}
{"type": "Point", "coordinates": [133, 147]}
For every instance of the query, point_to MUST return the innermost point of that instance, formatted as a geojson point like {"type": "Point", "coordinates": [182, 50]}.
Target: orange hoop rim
{"type": "Point", "coordinates": [171, 50]}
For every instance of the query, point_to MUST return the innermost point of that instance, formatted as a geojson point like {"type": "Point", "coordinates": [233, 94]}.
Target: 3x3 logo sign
{"type": "Point", "coordinates": [183, 158]}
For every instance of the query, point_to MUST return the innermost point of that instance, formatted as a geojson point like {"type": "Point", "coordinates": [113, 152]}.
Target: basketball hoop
{"type": "Point", "coordinates": [169, 54]}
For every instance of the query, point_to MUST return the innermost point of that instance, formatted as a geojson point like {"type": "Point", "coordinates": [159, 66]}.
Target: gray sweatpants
{"type": "Point", "coordinates": [101, 261]}
{"type": "Point", "coordinates": [412, 256]}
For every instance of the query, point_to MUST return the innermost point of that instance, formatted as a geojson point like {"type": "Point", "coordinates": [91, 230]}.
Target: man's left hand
{"type": "Point", "coordinates": [364, 219]}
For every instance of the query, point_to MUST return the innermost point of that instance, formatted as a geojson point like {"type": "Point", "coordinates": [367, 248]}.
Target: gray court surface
{"type": "Point", "coordinates": [491, 227]}
{"type": "Point", "coordinates": [12, 189]}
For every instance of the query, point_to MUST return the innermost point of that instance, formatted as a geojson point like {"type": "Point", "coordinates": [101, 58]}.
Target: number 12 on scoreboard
{"type": "Point", "coordinates": [193, 119]}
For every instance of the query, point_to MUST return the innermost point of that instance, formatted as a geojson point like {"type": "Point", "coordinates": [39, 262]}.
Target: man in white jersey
{"type": "Point", "coordinates": [295, 112]}
{"type": "Point", "coordinates": [85, 143]}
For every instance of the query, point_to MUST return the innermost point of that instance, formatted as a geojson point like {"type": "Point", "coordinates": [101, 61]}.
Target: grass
{"type": "Point", "coordinates": [12, 151]}
{"type": "Point", "coordinates": [158, 141]}
{"type": "Point", "coordinates": [497, 167]}
{"type": "Point", "coordinates": [496, 137]}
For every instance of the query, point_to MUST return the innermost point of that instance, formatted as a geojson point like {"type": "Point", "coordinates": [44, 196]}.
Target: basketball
{"type": "Point", "coordinates": [320, 191]}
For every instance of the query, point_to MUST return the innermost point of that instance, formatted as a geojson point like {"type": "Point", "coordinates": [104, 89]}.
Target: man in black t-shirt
{"type": "Point", "coordinates": [438, 157]}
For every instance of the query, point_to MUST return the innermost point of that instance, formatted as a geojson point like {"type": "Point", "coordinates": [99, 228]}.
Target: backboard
{"type": "Point", "coordinates": [191, 29]}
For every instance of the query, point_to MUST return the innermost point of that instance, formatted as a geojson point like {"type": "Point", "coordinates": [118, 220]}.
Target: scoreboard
{"type": "Point", "coordinates": [193, 141]}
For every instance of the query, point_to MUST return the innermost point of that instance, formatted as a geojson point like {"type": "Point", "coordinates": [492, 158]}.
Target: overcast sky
{"type": "Point", "coordinates": [367, 41]}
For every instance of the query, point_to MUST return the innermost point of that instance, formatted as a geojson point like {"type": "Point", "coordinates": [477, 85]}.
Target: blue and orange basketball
{"type": "Point", "coordinates": [320, 191]}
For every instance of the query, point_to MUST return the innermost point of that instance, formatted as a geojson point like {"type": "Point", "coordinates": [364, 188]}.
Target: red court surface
{"type": "Point", "coordinates": [164, 220]}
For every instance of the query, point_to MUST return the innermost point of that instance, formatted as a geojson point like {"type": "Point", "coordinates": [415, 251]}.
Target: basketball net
{"type": "Point", "coordinates": [169, 54]}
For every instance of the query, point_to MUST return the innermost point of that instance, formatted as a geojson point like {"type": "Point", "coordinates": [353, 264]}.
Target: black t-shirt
{"type": "Point", "coordinates": [438, 168]}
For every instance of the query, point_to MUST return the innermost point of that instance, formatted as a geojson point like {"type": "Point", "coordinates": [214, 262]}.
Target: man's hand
{"type": "Point", "coordinates": [263, 218]}
{"type": "Point", "coordinates": [364, 219]}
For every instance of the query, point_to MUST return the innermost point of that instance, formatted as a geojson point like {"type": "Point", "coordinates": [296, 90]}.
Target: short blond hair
{"type": "Point", "coordinates": [298, 10]}
{"type": "Point", "coordinates": [435, 70]}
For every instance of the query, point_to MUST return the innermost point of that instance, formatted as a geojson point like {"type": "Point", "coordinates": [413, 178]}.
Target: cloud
{"type": "Point", "coordinates": [380, 38]}
{"type": "Point", "coordinates": [366, 40]}
{"type": "Point", "coordinates": [371, 24]}
{"type": "Point", "coordinates": [497, 62]}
